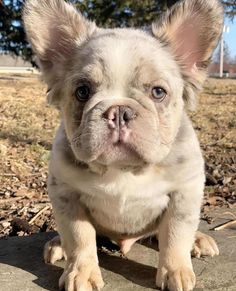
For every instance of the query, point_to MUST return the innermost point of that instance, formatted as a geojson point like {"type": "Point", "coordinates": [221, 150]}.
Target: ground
{"type": "Point", "coordinates": [22, 268]}
{"type": "Point", "coordinates": [27, 126]}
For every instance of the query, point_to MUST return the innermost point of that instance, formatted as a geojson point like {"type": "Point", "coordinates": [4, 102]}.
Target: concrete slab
{"type": "Point", "coordinates": [22, 266]}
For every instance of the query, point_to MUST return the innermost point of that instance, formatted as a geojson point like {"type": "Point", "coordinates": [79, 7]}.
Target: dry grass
{"type": "Point", "coordinates": [215, 124]}
{"type": "Point", "coordinates": [27, 127]}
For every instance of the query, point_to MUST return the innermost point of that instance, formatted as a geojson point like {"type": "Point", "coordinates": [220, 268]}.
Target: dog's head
{"type": "Point", "coordinates": [122, 92]}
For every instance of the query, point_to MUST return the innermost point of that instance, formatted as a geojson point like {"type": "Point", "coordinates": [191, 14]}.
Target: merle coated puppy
{"type": "Point", "coordinates": [126, 162]}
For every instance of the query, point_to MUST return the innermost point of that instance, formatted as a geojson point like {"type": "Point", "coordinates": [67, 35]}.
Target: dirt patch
{"type": "Point", "coordinates": [214, 123]}
{"type": "Point", "coordinates": [27, 127]}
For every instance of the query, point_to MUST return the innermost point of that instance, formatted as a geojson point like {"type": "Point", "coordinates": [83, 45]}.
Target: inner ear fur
{"type": "Point", "coordinates": [191, 29]}
{"type": "Point", "coordinates": [55, 30]}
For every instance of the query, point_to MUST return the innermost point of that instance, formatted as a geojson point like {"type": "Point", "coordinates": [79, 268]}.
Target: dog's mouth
{"type": "Point", "coordinates": [121, 136]}
{"type": "Point", "coordinates": [130, 150]}
{"type": "Point", "coordinates": [117, 148]}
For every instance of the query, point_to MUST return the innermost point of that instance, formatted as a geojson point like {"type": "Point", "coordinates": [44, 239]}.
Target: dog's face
{"type": "Point", "coordinates": [122, 91]}
{"type": "Point", "coordinates": [123, 100]}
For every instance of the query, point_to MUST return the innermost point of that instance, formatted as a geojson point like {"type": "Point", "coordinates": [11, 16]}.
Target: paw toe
{"type": "Point", "coordinates": [85, 278]}
{"type": "Point", "coordinates": [204, 245]}
{"type": "Point", "coordinates": [53, 251]}
{"type": "Point", "coordinates": [181, 280]}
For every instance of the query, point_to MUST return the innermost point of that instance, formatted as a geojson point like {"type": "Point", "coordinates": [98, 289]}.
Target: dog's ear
{"type": "Point", "coordinates": [191, 28]}
{"type": "Point", "coordinates": [55, 30]}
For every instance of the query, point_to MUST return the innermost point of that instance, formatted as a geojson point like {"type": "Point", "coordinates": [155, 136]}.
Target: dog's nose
{"type": "Point", "coordinates": [125, 115]}
{"type": "Point", "coordinates": [119, 116]}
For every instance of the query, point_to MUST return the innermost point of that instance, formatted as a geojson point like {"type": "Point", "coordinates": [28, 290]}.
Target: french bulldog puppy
{"type": "Point", "coordinates": [125, 162]}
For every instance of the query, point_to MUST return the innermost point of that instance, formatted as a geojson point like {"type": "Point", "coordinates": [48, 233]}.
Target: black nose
{"type": "Point", "coordinates": [119, 115]}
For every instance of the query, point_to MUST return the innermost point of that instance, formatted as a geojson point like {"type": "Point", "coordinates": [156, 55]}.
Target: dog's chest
{"type": "Point", "coordinates": [125, 203]}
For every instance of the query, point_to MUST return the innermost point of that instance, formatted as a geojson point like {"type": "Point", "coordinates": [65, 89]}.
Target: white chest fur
{"type": "Point", "coordinates": [119, 201]}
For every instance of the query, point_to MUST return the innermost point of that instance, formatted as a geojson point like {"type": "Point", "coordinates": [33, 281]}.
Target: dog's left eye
{"type": "Point", "coordinates": [159, 93]}
{"type": "Point", "coordinates": [82, 93]}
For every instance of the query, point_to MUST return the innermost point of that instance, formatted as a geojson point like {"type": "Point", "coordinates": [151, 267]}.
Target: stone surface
{"type": "Point", "coordinates": [22, 266]}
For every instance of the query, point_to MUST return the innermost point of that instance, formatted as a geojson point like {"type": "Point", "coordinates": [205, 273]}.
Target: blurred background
{"type": "Point", "coordinates": [108, 13]}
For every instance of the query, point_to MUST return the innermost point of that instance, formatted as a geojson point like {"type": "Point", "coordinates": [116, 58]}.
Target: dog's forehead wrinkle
{"type": "Point", "coordinates": [122, 58]}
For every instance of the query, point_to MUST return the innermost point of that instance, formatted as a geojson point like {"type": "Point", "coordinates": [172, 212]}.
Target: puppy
{"type": "Point", "coordinates": [125, 162]}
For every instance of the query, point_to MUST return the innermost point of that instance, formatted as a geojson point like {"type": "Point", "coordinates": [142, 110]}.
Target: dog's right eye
{"type": "Point", "coordinates": [82, 93]}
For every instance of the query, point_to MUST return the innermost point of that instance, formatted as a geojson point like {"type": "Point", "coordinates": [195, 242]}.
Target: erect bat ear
{"type": "Point", "coordinates": [55, 30]}
{"type": "Point", "coordinates": [191, 28]}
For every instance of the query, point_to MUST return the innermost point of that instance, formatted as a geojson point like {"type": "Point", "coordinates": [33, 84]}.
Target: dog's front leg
{"type": "Point", "coordinates": [78, 239]}
{"type": "Point", "coordinates": [176, 237]}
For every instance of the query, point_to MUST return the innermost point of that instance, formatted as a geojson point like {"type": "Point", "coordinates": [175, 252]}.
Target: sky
{"type": "Point", "coordinates": [230, 37]}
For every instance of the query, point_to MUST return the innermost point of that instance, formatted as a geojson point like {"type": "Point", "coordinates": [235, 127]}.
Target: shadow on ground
{"type": "Point", "coordinates": [26, 253]}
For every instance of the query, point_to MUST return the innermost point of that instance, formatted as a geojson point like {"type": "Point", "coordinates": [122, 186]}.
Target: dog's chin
{"type": "Point", "coordinates": [115, 155]}
{"type": "Point", "coordinates": [120, 155]}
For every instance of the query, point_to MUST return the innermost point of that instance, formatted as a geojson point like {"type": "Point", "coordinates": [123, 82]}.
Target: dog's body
{"type": "Point", "coordinates": [126, 162]}
{"type": "Point", "coordinates": [122, 203]}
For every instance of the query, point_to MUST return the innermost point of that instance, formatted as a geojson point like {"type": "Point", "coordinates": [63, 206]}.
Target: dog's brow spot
{"type": "Point", "coordinates": [181, 160]}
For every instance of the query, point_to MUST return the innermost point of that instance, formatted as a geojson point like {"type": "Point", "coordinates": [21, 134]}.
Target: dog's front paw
{"type": "Point", "coordinates": [53, 251]}
{"type": "Point", "coordinates": [181, 279]}
{"type": "Point", "coordinates": [204, 245]}
{"type": "Point", "coordinates": [82, 277]}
